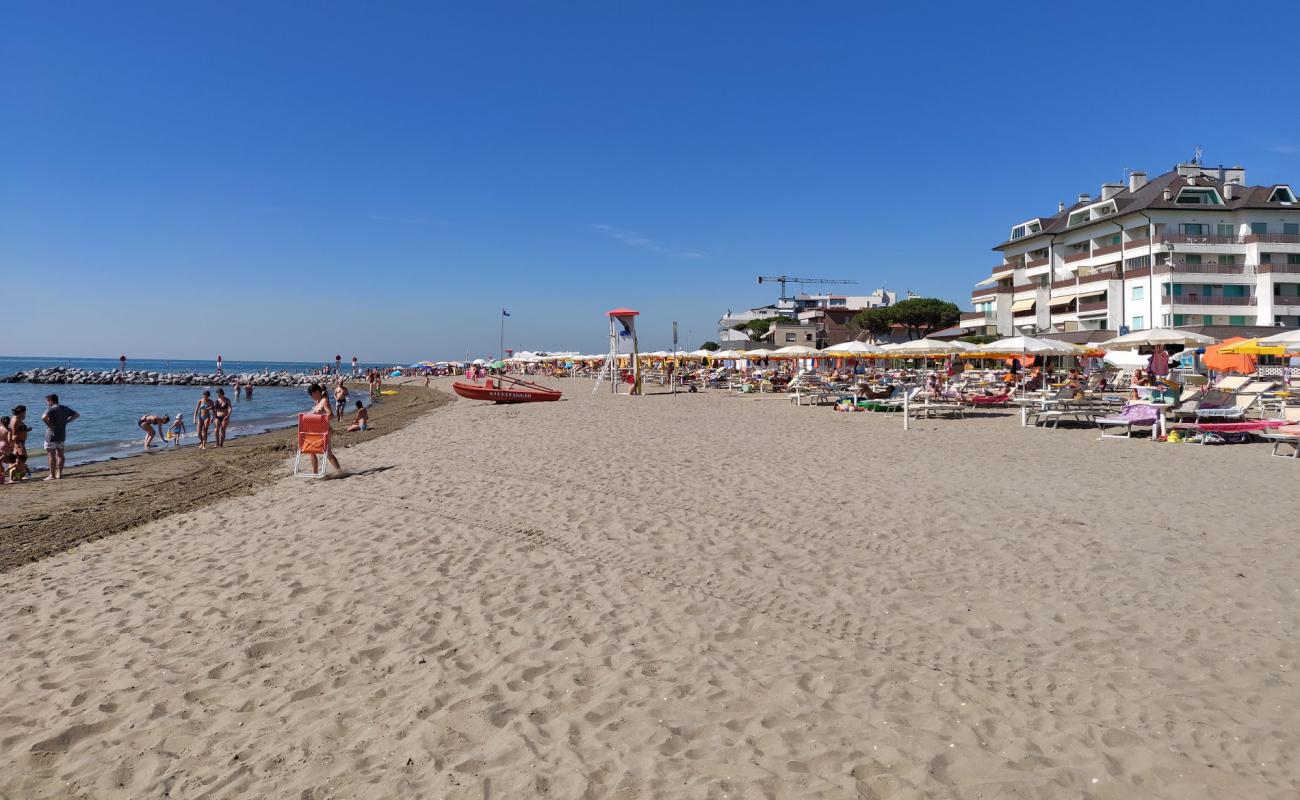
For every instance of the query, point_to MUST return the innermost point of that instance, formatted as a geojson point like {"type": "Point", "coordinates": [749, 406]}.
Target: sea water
{"type": "Point", "coordinates": [109, 423]}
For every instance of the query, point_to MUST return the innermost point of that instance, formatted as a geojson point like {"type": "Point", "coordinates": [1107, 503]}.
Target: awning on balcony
{"type": "Point", "coordinates": [1092, 293]}
{"type": "Point", "coordinates": [996, 276]}
{"type": "Point", "coordinates": [1061, 301]}
{"type": "Point", "coordinates": [1022, 305]}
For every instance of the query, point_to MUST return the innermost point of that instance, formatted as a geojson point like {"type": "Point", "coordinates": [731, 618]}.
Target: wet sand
{"type": "Point", "coordinates": [38, 519]}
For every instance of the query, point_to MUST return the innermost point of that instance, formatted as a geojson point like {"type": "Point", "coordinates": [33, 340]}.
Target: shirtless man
{"type": "Point", "coordinates": [340, 399]}
{"type": "Point", "coordinates": [322, 405]}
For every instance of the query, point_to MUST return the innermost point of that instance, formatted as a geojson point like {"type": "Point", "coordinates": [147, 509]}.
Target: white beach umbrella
{"type": "Point", "coordinates": [854, 350]}
{"type": "Point", "coordinates": [1156, 336]}
{"type": "Point", "coordinates": [925, 347]}
{"type": "Point", "coordinates": [759, 353]}
{"type": "Point", "coordinates": [732, 354]}
{"type": "Point", "coordinates": [796, 351]}
{"type": "Point", "coordinates": [1031, 346]}
{"type": "Point", "coordinates": [1125, 359]}
{"type": "Point", "coordinates": [1285, 338]}
{"type": "Point", "coordinates": [699, 354]}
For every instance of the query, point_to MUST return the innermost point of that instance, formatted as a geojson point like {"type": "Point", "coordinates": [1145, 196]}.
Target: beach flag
{"type": "Point", "coordinates": [505, 313]}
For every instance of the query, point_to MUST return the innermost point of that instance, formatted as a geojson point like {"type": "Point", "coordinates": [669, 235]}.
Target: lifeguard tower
{"type": "Point", "coordinates": [622, 325]}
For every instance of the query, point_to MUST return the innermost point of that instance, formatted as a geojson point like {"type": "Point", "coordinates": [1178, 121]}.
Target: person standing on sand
{"type": "Point", "coordinates": [18, 430]}
{"type": "Point", "coordinates": [322, 405]}
{"type": "Point", "coordinates": [56, 419]}
{"type": "Point", "coordinates": [221, 410]}
{"type": "Point", "coordinates": [203, 418]}
{"type": "Point", "coordinates": [340, 399]}
{"type": "Point", "coordinates": [152, 425]}
{"type": "Point", "coordinates": [178, 429]}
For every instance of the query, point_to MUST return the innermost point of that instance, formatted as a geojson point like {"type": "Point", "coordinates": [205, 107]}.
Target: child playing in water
{"type": "Point", "coordinates": [362, 420]}
{"type": "Point", "coordinates": [177, 430]}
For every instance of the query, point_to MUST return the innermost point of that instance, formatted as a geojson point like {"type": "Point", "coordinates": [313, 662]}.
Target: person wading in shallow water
{"type": "Point", "coordinates": [56, 419]}
{"type": "Point", "coordinates": [221, 410]}
{"type": "Point", "coordinates": [203, 418]}
{"type": "Point", "coordinates": [152, 425]}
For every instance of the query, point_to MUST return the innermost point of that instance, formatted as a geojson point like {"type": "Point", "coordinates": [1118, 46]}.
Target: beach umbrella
{"type": "Point", "coordinates": [700, 354]}
{"type": "Point", "coordinates": [497, 364]}
{"type": "Point", "coordinates": [1286, 338]}
{"type": "Point", "coordinates": [1125, 359]}
{"type": "Point", "coordinates": [1029, 346]}
{"type": "Point", "coordinates": [854, 350]}
{"type": "Point", "coordinates": [796, 351]}
{"type": "Point", "coordinates": [726, 354]}
{"type": "Point", "coordinates": [758, 353]}
{"type": "Point", "coordinates": [924, 348]}
{"type": "Point", "coordinates": [1156, 336]}
{"type": "Point", "coordinates": [1251, 347]}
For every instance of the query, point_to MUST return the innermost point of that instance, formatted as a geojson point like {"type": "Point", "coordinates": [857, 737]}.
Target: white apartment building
{"type": "Point", "coordinates": [1194, 246]}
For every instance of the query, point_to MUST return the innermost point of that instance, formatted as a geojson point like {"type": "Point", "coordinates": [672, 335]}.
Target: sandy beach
{"type": "Point", "coordinates": [699, 596]}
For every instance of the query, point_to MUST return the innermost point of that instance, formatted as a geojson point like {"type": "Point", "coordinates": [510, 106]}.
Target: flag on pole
{"type": "Point", "coordinates": [505, 313]}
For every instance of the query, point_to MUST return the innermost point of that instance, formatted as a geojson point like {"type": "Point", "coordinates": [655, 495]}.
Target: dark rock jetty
{"type": "Point", "coordinates": [142, 378]}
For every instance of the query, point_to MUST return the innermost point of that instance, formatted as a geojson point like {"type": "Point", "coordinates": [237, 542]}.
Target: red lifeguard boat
{"type": "Point", "coordinates": [505, 390]}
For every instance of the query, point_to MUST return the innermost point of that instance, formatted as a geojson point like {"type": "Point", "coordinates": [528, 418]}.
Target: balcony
{"type": "Point", "coordinates": [1137, 243]}
{"type": "Point", "coordinates": [1286, 300]}
{"type": "Point", "coordinates": [1035, 262]}
{"type": "Point", "coordinates": [1284, 269]}
{"type": "Point", "coordinates": [1272, 238]}
{"type": "Point", "coordinates": [981, 318]}
{"type": "Point", "coordinates": [1202, 300]}
{"type": "Point", "coordinates": [1183, 268]}
{"type": "Point", "coordinates": [1079, 256]}
{"type": "Point", "coordinates": [1024, 287]}
{"type": "Point", "coordinates": [1201, 238]}
{"type": "Point", "coordinates": [1099, 275]}
{"type": "Point", "coordinates": [1108, 249]}
{"type": "Point", "coordinates": [985, 294]}
{"type": "Point", "coordinates": [1086, 306]}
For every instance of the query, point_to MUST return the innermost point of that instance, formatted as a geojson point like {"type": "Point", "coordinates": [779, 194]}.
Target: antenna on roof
{"type": "Point", "coordinates": [1196, 155]}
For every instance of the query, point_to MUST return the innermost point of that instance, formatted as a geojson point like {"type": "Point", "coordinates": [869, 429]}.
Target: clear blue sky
{"type": "Point", "coordinates": [286, 180]}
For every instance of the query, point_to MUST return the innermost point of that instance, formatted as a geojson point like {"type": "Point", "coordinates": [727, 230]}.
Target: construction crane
{"type": "Point", "coordinates": [784, 279]}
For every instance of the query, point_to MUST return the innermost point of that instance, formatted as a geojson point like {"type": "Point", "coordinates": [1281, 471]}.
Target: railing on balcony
{"type": "Point", "coordinates": [1093, 305]}
{"type": "Point", "coordinates": [1201, 238]}
{"type": "Point", "coordinates": [1272, 238]}
{"type": "Point", "coordinates": [1137, 243]}
{"type": "Point", "coordinates": [979, 317]}
{"type": "Point", "coordinates": [984, 294]}
{"type": "Point", "coordinates": [1079, 256]}
{"type": "Point", "coordinates": [1035, 262]}
{"type": "Point", "coordinates": [1108, 249]}
{"type": "Point", "coordinates": [1286, 269]}
{"type": "Point", "coordinates": [1202, 300]}
{"type": "Point", "coordinates": [1024, 287]}
{"type": "Point", "coordinates": [1099, 275]}
{"type": "Point", "coordinates": [1183, 268]}
{"type": "Point", "coordinates": [1286, 300]}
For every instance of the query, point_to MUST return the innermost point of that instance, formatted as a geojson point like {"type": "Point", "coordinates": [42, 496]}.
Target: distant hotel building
{"type": "Point", "coordinates": [1195, 246]}
{"type": "Point", "coordinates": [815, 319]}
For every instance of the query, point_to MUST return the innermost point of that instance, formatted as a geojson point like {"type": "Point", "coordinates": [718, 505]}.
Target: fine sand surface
{"type": "Point", "coordinates": [693, 596]}
{"type": "Point", "coordinates": [38, 519]}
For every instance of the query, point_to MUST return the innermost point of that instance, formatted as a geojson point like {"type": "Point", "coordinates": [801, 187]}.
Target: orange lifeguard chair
{"type": "Point", "coordinates": [313, 440]}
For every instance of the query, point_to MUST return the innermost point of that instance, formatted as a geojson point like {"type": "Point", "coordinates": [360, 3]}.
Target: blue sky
{"type": "Point", "coordinates": [286, 180]}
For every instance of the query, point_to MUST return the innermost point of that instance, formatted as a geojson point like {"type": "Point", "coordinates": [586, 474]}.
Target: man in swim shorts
{"type": "Point", "coordinates": [56, 419]}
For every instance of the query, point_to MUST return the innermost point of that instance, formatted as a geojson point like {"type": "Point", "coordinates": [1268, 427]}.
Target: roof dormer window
{"type": "Point", "coordinates": [1198, 196]}
{"type": "Point", "coordinates": [1029, 228]}
{"type": "Point", "coordinates": [1282, 194]}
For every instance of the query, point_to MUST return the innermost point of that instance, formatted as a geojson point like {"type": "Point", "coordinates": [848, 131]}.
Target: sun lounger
{"type": "Point", "coordinates": [1242, 401]}
{"type": "Point", "coordinates": [1286, 435]}
{"type": "Point", "coordinates": [313, 439]}
{"type": "Point", "coordinates": [1135, 415]}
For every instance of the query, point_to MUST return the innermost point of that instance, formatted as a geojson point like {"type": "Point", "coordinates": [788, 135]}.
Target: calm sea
{"type": "Point", "coordinates": [109, 414]}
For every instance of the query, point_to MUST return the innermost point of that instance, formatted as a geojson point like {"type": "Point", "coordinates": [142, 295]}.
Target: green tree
{"type": "Point", "coordinates": [923, 316]}
{"type": "Point", "coordinates": [875, 321]}
{"type": "Point", "coordinates": [709, 346]}
{"type": "Point", "coordinates": [755, 328]}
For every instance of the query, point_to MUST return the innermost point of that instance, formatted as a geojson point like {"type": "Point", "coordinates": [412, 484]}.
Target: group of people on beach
{"type": "Point", "coordinates": [13, 440]}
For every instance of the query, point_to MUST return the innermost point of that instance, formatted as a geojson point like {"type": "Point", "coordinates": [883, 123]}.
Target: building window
{"type": "Point", "coordinates": [1140, 262]}
{"type": "Point", "coordinates": [807, 337]}
{"type": "Point", "coordinates": [1018, 232]}
{"type": "Point", "coordinates": [789, 337]}
{"type": "Point", "coordinates": [1282, 194]}
{"type": "Point", "coordinates": [1293, 258]}
{"type": "Point", "coordinates": [1259, 227]}
{"type": "Point", "coordinates": [1203, 197]}
{"type": "Point", "coordinates": [1193, 228]}
{"type": "Point", "coordinates": [1192, 258]}
{"type": "Point", "coordinates": [1225, 229]}
{"type": "Point", "coordinates": [1139, 292]}
{"type": "Point", "coordinates": [1227, 259]}
{"type": "Point", "coordinates": [1266, 258]}
{"type": "Point", "coordinates": [1291, 228]}
{"type": "Point", "coordinates": [1116, 239]}
{"type": "Point", "coordinates": [1179, 319]}
{"type": "Point", "coordinates": [1139, 323]}
{"type": "Point", "coordinates": [1236, 320]}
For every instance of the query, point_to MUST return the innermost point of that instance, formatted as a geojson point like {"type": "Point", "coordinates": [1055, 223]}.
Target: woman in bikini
{"type": "Point", "coordinates": [221, 409]}
{"type": "Point", "coordinates": [152, 425]}
{"type": "Point", "coordinates": [203, 418]}
{"type": "Point", "coordinates": [18, 430]}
